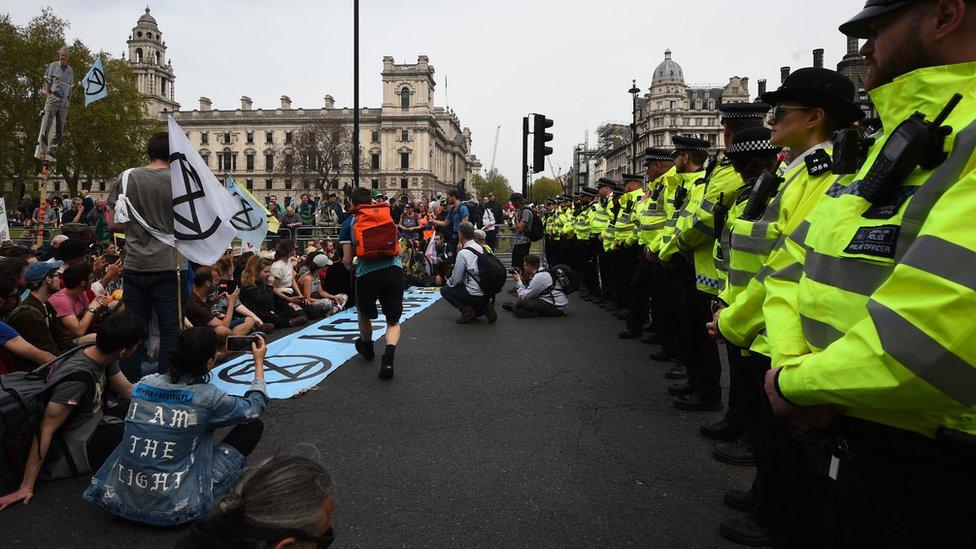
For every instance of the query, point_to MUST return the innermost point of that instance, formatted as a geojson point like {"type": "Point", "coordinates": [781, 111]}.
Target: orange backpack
{"type": "Point", "coordinates": [374, 232]}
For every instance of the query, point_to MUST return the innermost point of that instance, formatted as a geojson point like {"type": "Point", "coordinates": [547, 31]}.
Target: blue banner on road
{"type": "Point", "coordinates": [302, 360]}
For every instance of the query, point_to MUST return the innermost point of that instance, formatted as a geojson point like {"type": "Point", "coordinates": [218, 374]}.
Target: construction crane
{"type": "Point", "coordinates": [494, 150]}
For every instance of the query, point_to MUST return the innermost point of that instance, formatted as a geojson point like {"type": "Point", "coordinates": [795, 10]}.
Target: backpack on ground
{"type": "Point", "coordinates": [375, 233]}
{"type": "Point", "coordinates": [23, 397]}
{"type": "Point", "coordinates": [492, 273]}
{"type": "Point", "coordinates": [535, 230]}
{"type": "Point", "coordinates": [565, 277]}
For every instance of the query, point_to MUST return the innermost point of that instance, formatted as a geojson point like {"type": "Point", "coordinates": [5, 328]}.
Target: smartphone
{"type": "Point", "coordinates": [238, 344]}
{"type": "Point", "coordinates": [111, 259]}
{"type": "Point", "coordinates": [512, 271]}
{"type": "Point", "coordinates": [228, 286]}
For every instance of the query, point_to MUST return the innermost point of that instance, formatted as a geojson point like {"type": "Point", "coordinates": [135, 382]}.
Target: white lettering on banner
{"type": "Point", "coordinates": [122, 478]}
{"type": "Point", "coordinates": [132, 409]}
{"type": "Point", "coordinates": [141, 480]}
{"type": "Point", "coordinates": [150, 448]}
{"type": "Point", "coordinates": [168, 450]}
{"type": "Point", "coordinates": [158, 416]}
{"type": "Point", "coordinates": [177, 477]}
{"type": "Point", "coordinates": [135, 440]}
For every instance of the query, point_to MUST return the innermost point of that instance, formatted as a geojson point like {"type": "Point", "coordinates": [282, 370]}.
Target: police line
{"type": "Point", "coordinates": [301, 360]}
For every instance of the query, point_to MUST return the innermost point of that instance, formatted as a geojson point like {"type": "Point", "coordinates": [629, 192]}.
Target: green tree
{"type": "Point", "coordinates": [492, 182]}
{"type": "Point", "coordinates": [543, 188]}
{"type": "Point", "coordinates": [99, 141]}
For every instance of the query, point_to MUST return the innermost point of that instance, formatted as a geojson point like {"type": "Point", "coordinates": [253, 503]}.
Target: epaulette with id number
{"type": "Point", "coordinates": [818, 162]}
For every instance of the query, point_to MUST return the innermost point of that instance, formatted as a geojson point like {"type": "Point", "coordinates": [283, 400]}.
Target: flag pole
{"type": "Point", "coordinates": [355, 93]}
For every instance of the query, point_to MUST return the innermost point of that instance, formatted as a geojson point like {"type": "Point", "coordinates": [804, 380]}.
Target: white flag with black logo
{"type": "Point", "coordinates": [250, 220]}
{"type": "Point", "coordinates": [202, 207]}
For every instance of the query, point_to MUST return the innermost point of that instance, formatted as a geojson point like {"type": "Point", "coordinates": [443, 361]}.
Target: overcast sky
{"type": "Point", "coordinates": [569, 59]}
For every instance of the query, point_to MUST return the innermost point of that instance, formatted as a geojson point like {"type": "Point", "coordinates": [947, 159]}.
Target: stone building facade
{"type": "Point", "coordinates": [408, 146]}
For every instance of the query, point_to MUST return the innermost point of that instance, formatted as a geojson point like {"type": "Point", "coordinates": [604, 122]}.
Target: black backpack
{"type": "Point", "coordinates": [492, 273]}
{"type": "Point", "coordinates": [23, 397]}
{"type": "Point", "coordinates": [535, 230]}
{"type": "Point", "coordinates": [566, 277]}
{"type": "Point", "coordinates": [476, 215]}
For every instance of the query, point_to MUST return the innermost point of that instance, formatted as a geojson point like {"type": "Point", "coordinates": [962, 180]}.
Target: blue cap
{"type": "Point", "coordinates": [37, 272]}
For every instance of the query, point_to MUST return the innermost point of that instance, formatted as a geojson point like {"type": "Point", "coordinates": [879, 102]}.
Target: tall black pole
{"type": "Point", "coordinates": [634, 90]}
{"type": "Point", "coordinates": [355, 93]}
{"type": "Point", "coordinates": [525, 155]}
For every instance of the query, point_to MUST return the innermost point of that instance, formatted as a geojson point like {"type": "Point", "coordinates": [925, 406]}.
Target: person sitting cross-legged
{"type": "Point", "coordinates": [542, 297]}
{"type": "Point", "coordinates": [168, 469]}
{"type": "Point", "coordinates": [462, 289]}
{"type": "Point", "coordinates": [198, 307]}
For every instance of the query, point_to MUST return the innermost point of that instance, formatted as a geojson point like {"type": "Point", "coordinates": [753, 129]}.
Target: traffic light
{"type": "Point", "coordinates": [539, 139]}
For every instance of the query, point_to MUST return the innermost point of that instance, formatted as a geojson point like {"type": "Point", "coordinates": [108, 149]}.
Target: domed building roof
{"type": "Point", "coordinates": [668, 71]}
{"type": "Point", "coordinates": [146, 18]}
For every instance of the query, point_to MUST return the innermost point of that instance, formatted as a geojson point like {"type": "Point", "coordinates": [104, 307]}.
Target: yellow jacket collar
{"type": "Point", "coordinates": [925, 90]}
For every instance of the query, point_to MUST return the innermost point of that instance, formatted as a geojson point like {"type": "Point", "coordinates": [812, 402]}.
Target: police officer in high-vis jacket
{"type": "Point", "coordinates": [598, 228]}
{"type": "Point", "coordinates": [871, 328]}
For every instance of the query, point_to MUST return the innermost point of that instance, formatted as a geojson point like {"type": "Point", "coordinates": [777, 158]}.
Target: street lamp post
{"type": "Point", "coordinates": [634, 90]}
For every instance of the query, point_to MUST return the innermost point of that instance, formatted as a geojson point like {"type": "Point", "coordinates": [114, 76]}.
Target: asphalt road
{"type": "Point", "coordinates": [525, 433]}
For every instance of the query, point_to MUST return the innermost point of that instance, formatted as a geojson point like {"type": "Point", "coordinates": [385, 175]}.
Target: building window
{"type": "Point", "coordinates": [376, 137]}
{"type": "Point", "coordinates": [269, 162]}
{"type": "Point", "coordinates": [405, 98]}
{"type": "Point", "coordinates": [101, 186]}
{"type": "Point", "coordinates": [250, 184]}
{"type": "Point", "coordinates": [268, 184]}
{"type": "Point", "coordinates": [374, 183]}
{"type": "Point", "coordinates": [250, 138]}
{"type": "Point", "coordinates": [269, 137]}
{"type": "Point", "coordinates": [162, 87]}
{"type": "Point", "coordinates": [57, 185]}
{"type": "Point", "coordinates": [250, 162]}
{"type": "Point", "coordinates": [711, 103]}
{"type": "Point", "coordinates": [404, 135]}
{"type": "Point", "coordinates": [206, 159]}
{"type": "Point", "coordinates": [138, 55]}
{"type": "Point", "coordinates": [698, 121]}
{"type": "Point", "coordinates": [288, 137]}
{"type": "Point", "coordinates": [288, 184]}
{"type": "Point", "coordinates": [289, 162]}
{"type": "Point", "coordinates": [672, 105]}
{"type": "Point", "coordinates": [404, 160]}
{"type": "Point", "coordinates": [226, 138]}
{"type": "Point", "coordinates": [403, 182]}
{"type": "Point", "coordinates": [204, 138]}
{"type": "Point", "coordinates": [374, 161]}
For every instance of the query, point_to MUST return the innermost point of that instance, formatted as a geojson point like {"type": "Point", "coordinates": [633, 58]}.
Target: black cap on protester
{"type": "Point", "coordinates": [751, 142]}
{"type": "Point", "coordinates": [71, 249]}
{"type": "Point", "coordinates": [743, 111]}
{"type": "Point", "coordinates": [818, 87]}
{"type": "Point", "coordinates": [684, 143]}
{"type": "Point", "coordinates": [858, 27]}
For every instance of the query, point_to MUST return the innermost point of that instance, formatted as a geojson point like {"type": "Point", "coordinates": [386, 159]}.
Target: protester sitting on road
{"type": "Point", "coordinates": [379, 278]}
{"type": "Point", "coordinates": [73, 413]}
{"type": "Point", "coordinates": [462, 289]}
{"type": "Point", "coordinates": [198, 307]}
{"type": "Point", "coordinates": [286, 501]}
{"type": "Point", "coordinates": [167, 469]}
{"type": "Point", "coordinates": [542, 297]}
{"type": "Point", "coordinates": [34, 319]}
{"type": "Point", "coordinates": [74, 311]}
{"type": "Point", "coordinates": [310, 283]}
{"type": "Point", "coordinates": [258, 296]}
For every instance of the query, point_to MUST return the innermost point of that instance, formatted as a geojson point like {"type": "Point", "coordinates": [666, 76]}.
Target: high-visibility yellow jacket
{"type": "Point", "coordinates": [548, 223]}
{"type": "Point", "coordinates": [566, 222]}
{"type": "Point", "coordinates": [881, 319]}
{"type": "Point", "coordinates": [672, 180]}
{"type": "Point", "coordinates": [581, 222]}
{"type": "Point", "coordinates": [752, 243]}
{"type": "Point", "coordinates": [628, 218]}
{"type": "Point", "coordinates": [694, 229]}
{"type": "Point", "coordinates": [600, 217]}
{"type": "Point", "coordinates": [652, 216]}
{"type": "Point", "coordinates": [610, 232]}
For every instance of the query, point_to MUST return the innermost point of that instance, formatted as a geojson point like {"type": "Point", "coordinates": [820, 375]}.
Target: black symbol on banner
{"type": "Point", "coordinates": [242, 220]}
{"type": "Point", "coordinates": [194, 191]}
{"type": "Point", "coordinates": [289, 368]}
{"type": "Point", "coordinates": [95, 83]}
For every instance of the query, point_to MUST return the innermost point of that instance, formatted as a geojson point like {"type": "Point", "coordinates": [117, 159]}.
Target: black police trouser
{"type": "Point", "coordinates": [742, 392]}
{"type": "Point", "coordinates": [593, 268]}
{"type": "Point", "coordinates": [586, 266]}
{"type": "Point", "coordinates": [693, 311]}
{"type": "Point", "coordinates": [897, 488]}
{"type": "Point", "coordinates": [567, 248]}
{"type": "Point", "coordinates": [640, 290]}
{"type": "Point", "coordinates": [657, 290]}
{"type": "Point", "coordinates": [625, 267]}
{"type": "Point", "coordinates": [607, 267]}
{"type": "Point", "coordinates": [550, 251]}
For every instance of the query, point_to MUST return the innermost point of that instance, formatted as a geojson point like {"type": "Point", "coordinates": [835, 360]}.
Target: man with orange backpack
{"type": "Point", "coordinates": [371, 235]}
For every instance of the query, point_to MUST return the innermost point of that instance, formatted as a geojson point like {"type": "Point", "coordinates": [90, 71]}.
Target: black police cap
{"type": "Point", "coordinates": [654, 154]}
{"type": "Point", "coordinates": [684, 143]}
{"type": "Point", "coordinates": [605, 182]}
{"type": "Point", "coordinates": [588, 191]}
{"type": "Point", "coordinates": [858, 27]}
{"type": "Point", "coordinates": [819, 87]}
{"type": "Point", "coordinates": [751, 142]}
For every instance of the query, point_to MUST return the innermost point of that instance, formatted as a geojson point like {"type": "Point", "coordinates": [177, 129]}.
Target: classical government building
{"type": "Point", "coordinates": [408, 146]}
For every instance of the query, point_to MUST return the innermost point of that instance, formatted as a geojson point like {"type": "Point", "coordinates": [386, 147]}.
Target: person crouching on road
{"type": "Point", "coordinates": [542, 297]}
{"type": "Point", "coordinates": [462, 290]}
{"type": "Point", "coordinates": [167, 469]}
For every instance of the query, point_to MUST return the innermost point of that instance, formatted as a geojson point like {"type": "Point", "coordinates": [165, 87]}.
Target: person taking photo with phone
{"type": "Point", "coordinates": [198, 308]}
{"type": "Point", "coordinates": [168, 469]}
